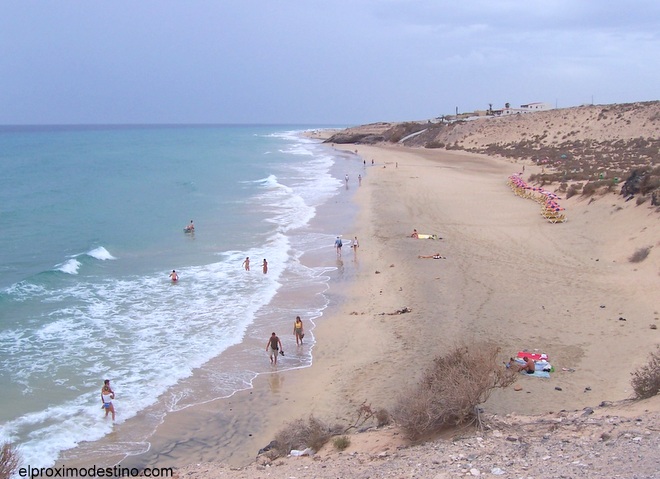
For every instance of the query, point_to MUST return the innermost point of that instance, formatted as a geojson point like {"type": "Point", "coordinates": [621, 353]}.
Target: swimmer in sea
{"type": "Point", "coordinates": [174, 276]}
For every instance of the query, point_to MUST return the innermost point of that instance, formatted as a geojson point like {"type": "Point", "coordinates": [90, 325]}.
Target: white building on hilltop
{"type": "Point", "coordinates": [537, 106]}
{"type": "Point", "coordinates": [528, 108]}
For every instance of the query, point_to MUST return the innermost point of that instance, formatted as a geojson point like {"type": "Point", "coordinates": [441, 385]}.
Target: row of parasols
{"type": "Point", "coordinates": [550, 208]}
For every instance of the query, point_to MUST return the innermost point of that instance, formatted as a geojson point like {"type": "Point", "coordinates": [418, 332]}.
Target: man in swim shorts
{"type": "Point", "coordinates": [529, 367]}
{"type": "Point", "coordinates": [174, 276]}
{"type": "Point", "coordinates": [273, 347]}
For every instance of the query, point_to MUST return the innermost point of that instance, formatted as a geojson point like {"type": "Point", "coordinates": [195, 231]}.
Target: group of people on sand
{"type": "Point", "coordinates": [274, 344]}
{"type": "Point", "coordinates": [415, 234]}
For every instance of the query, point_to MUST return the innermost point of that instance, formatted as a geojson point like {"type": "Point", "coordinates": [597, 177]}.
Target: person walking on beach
{"type": "Point", "coordinates": [273, 346]}
{"type": "Point", "coordinates": [359, 180]}
{"type": "Point", "coordinates": [338, 245]}
{"type": "Point", "coordinates": [107, 395]}
{"type": "Point", "coordinates": [246, 263]}
{"type": "Point", "coordinates": [298, 330]}
{"type": "Point", "coordinates": [174, 276]}
{"type": "Point", "coordinates": [265, 266]}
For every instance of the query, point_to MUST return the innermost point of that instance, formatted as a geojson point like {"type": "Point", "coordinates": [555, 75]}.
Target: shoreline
{"type": "Point", "coordinates": [509, 278]}
{"type": "Point", "coordinates": [179, 428]}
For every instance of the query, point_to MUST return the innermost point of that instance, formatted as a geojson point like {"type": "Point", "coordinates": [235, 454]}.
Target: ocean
{"type": "Point", "coordinates": [93, 223]}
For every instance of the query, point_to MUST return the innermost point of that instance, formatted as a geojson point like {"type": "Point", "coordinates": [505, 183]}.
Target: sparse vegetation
{"type": "Point", "coordinates": [383, 417]}
{"type": "Point", "coordinates": [451, 390]}
{"type": "Point", "coordinates": [341, 442]}
{"type": "Point", "coordinates": [640, 255]}
{"type": "Point", "coordinates": [365, 414]}
{"type": "Point", "coordinates": [573, 190]}
{"type": "Point", "coordinates": [9, 461]}
{"type": "Point", "coordinates": [301, 434]}
{"type": "Point", "coordinates": [568, 154]}
{"type": "Point", "coordinates": [646, 380]}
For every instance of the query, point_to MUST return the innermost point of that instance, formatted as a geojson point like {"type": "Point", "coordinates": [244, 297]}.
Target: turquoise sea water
{"type": "Point", "coordinates": [93, 223]}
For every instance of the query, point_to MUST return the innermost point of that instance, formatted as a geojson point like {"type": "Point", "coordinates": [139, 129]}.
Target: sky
{"type": "Point", "coordinates": [343, 62]}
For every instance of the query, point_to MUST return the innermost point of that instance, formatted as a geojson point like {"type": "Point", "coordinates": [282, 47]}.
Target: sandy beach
{"type": "Point", "coordinates": [509, 278]}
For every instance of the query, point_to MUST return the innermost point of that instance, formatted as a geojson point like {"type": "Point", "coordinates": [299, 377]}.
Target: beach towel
{"type": "Point", "coordinates": [534, 356]}
{"type": "Point", "coordinates": [542, 368]}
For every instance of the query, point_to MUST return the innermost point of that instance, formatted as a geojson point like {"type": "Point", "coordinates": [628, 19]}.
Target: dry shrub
{"type": "Point", "coordinates": [573, 190]}
{"type": "Point", "coordinates": [9, 461]}
{"type": "Point", "coordinates": [383, 417]}
{"type": "Point", "coordinates": [640, 255]}
{"type": "Point", "coordinates": [646, 380]}
{"type": "Point", "coordinates": [301, 434]}
{"type": "Point", "coordinates": [451, 389]}
{"type": "Point", "coordinates": [341, 442]}
{"type": "Point", "coordinates": [366, 414]}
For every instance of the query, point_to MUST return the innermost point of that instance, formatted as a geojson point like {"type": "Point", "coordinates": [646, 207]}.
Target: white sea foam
{"type": "Point", "coordinates": [126, 330]}
{"type": "Point", "coordinates": [69, 267]}
{"type": "Point", "coordinates": [147, 334]}
{"type": "Point", "coordinates": [100, 253]}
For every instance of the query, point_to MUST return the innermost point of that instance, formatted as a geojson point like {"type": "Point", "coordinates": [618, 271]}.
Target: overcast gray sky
{"type": "Point", "coordinates": [309, 61]}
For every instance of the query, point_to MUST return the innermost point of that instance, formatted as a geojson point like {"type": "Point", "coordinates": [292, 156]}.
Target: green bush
{"type": "Point", "coordinates": [341, 442]}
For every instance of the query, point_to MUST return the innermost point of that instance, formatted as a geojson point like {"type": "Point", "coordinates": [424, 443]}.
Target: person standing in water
{"type": "Point", "coordinates": [174, 276]}
{"type": "Point", "coordinates": [338, 245]}
{"type": "Point", "coordinates": [191, 226]}
{"type": "Point", "coordinates": [107, 395]}
{"type": "Point", "coordinates": [298, 330]}
{"type": "Point", "coordinates": [273, 347]}
{"type": "Point", "coordinates": [265, 266]}
{"type": "Point", "coordinates": [246, 263]}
